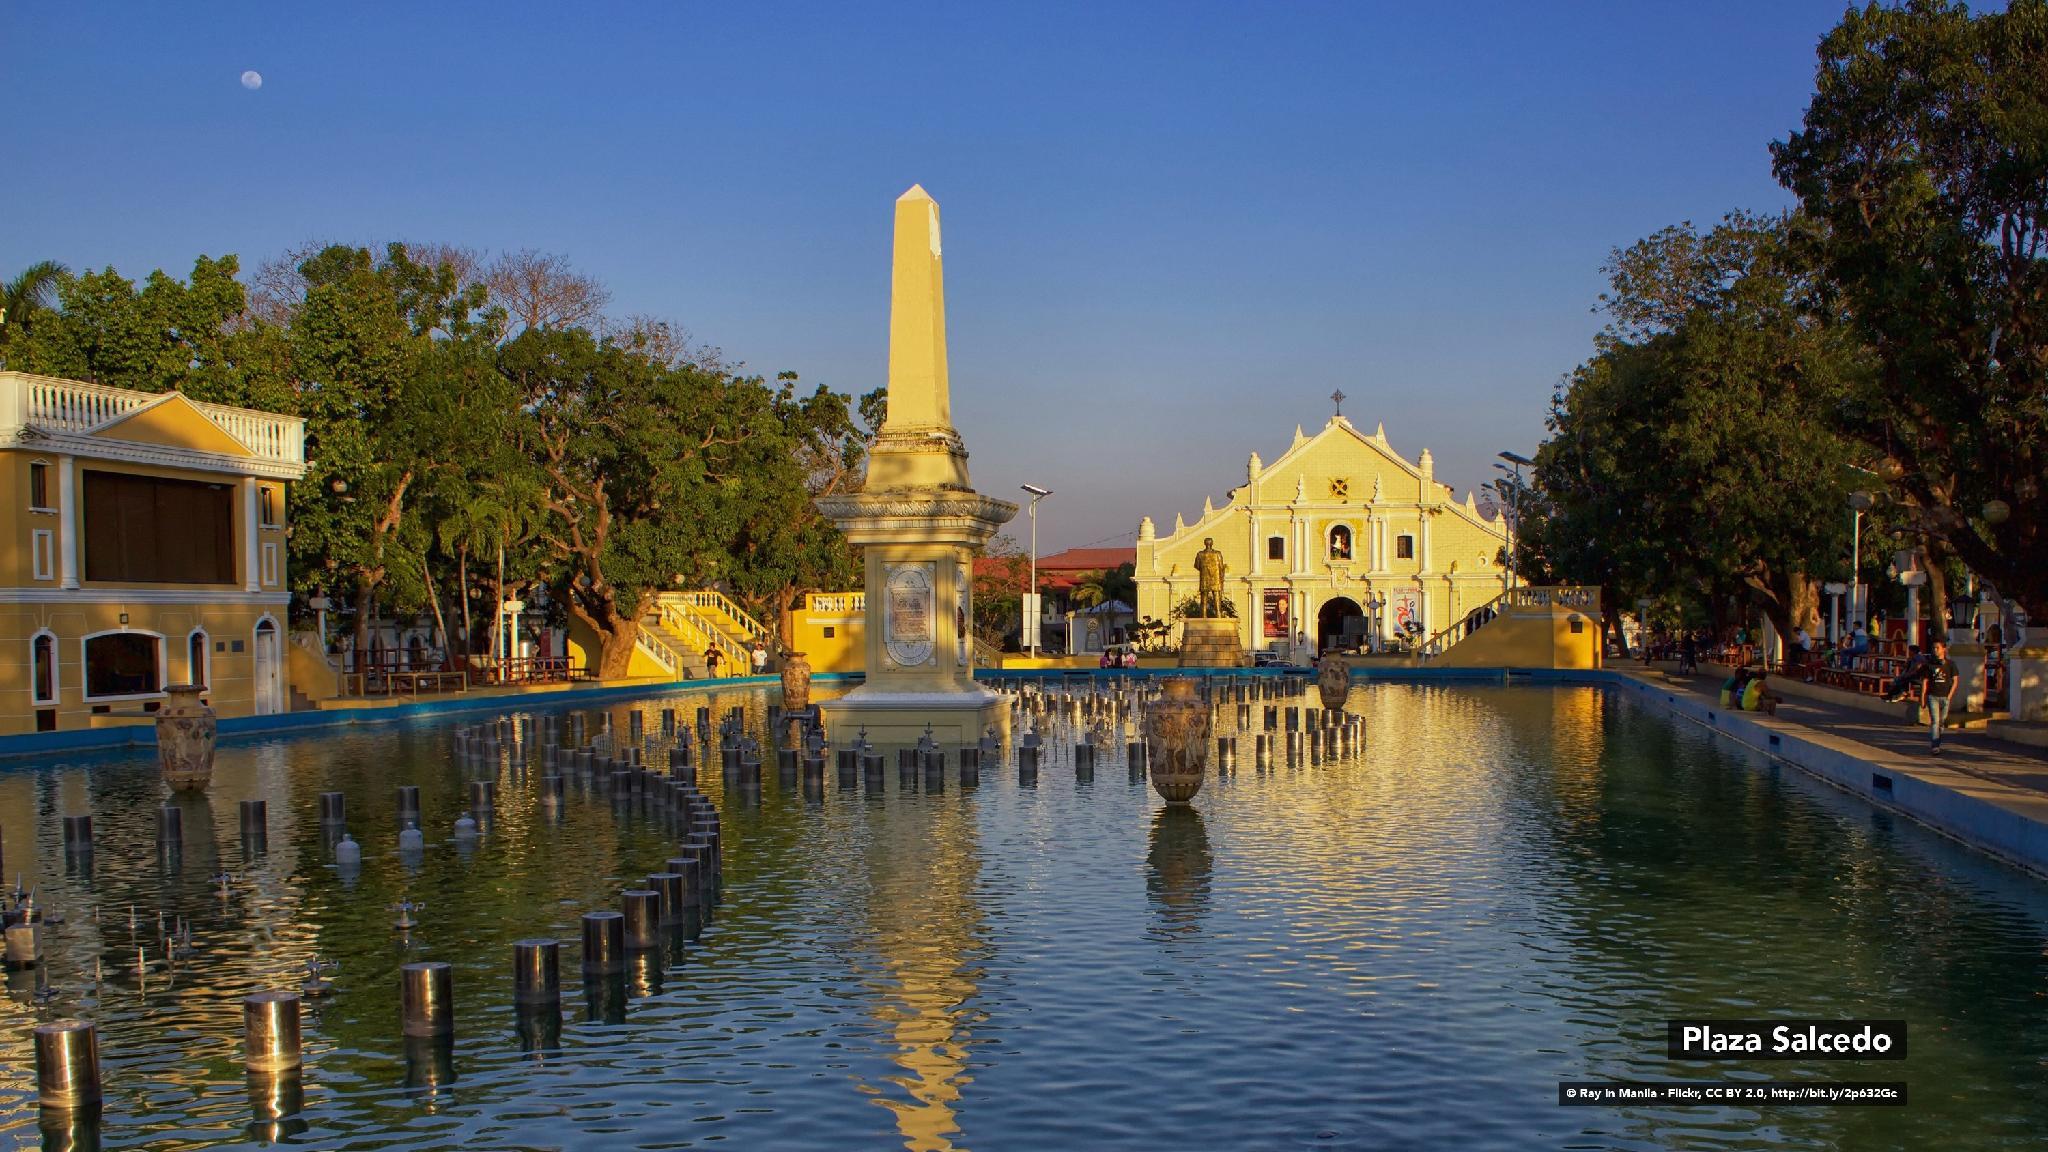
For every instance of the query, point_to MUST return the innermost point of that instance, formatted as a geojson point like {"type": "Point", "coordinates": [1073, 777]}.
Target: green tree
{"type": "Point", "coordinates": [1000, 574]}
{"type": "Point", "coordinates": [26, 299]}
{"type": "Point", "coordinates": [785, 546]}
{"type": "Point", "coordinates": [1922, 153]}
{"type": "Point", "coordinates": [654, 474]}
{"type": "Point", "coordinates": [390, 360]}
{"type": "Point", "coordinates": [1695, 452]}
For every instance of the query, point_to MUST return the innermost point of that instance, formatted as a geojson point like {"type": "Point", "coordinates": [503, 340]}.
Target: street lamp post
{"type": "Point", "coordinates": [1514, 505]}
{"type": "Point", "coordinates": [1859, 503]}
{"type": "Point", "coordinates": [1031, 591]}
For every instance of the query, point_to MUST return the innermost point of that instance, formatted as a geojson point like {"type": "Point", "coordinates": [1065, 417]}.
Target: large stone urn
{"type": "Point", "coordinates": [1177, 731]}
{"type": "Point", "coordinates": [186, 730]}
{"type": "Point", "coordinates": [1333, 680]}
{"type": "Point", "coordinates": [796, 682]}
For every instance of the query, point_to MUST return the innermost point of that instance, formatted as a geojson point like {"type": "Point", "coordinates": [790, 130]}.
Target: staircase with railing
{"type": "Point", "coordinates": [1464, 626]}
{"type": "Point", "coordinates": [1542, 626]}
{"type": "Point", "coordinates": [686, 639]}
{"type": "Point", "coordinates": [714, 613]}
{"type": "Point", "coordinates": [657, 649]}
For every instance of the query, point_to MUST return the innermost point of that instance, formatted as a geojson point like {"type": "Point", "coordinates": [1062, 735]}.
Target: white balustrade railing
{"type": "Point", "coordinates": [837, 603]}
{"type": "Point", "coordinates": [51, 404]}
{"type": "Point", "coordinates": [1584, 597]}
{"type": "Point", "coordinates": [683, 624]}
{"type": "Point", "coordinates": [711, 603]}
{"type": "Point", "coordinates": [657, 650]}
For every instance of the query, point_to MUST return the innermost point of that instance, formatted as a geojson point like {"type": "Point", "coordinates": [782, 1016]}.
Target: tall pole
{"type": "Point", "coordinates": [1514, 521]}
{"type": "Point", "coordinates": [498, 629]}
{"type": "Point", "coordinates": [1856, 566]}
{"type": "Point", "coordinates": [1031, 593]}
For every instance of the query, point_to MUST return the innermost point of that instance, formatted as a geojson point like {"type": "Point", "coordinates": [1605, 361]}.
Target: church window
{"type": "Point", "coordinates": [1276, 547]}
{"type": "Point", "coordinates": [1340, 543]}
{"type": "Point", "coordinates": [1404, 547]}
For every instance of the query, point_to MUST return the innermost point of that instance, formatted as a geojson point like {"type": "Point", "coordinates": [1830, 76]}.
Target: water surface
{"type": "Point", "coordinates": [1404, 947]}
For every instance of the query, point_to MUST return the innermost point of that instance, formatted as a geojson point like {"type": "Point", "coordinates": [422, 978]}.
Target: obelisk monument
{"type": "Point", "coordinates": [920, 522]}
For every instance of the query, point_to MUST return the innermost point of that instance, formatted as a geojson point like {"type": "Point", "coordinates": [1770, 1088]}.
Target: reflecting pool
{"type": "Point", "coordinates": [1403, 945]}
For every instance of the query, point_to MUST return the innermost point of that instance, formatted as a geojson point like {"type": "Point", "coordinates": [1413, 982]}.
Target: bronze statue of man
{"type": "Point", "coordinates": [1209, 570]}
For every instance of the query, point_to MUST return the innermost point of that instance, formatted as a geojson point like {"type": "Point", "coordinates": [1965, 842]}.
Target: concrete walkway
{"type": "Point", "coordinates": [1972, 753]}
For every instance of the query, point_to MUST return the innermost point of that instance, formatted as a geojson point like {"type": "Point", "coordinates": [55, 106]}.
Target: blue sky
{"type": "Point", "coordinates": [1171, 230]}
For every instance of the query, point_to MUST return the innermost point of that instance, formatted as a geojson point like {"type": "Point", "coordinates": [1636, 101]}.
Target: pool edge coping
{"type": "Point", "coordinates": [2007, 823]}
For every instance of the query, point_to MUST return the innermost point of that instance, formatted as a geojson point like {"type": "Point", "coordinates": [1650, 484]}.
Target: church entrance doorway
{"type": "Point", "coordinates": [1340, 623]}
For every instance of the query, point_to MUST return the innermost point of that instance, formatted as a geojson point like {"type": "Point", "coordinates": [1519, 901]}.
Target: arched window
{"type": "Point", "coordinates": [43, 658]}
{"type": "Point", "coordinates": [195, 657]}
{"type": "Point", "coordinates": [123, 665]}
{"type": "Point", "coordinates": [1340, 542]}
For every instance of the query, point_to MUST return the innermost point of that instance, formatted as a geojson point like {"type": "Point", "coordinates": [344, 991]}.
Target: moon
{"type": "Point", "coordinates": [252, 80]}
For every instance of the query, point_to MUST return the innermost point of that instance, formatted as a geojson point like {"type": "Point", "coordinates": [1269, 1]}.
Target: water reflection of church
{"type": "Point", "coordinates": [1338, 523]}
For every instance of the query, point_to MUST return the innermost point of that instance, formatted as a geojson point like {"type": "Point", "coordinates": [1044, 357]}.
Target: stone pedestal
{"type": "Point", "coordinates": [1969, 661]}
{"type": "Point", "coordinates": [2026, 673]}
{"type": "Point", "coordinates": [1210, 644]}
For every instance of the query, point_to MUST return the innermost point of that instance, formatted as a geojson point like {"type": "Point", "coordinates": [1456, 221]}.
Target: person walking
{"type": "Point", "coordinates": [712, 657]}
{"type": "Point", "coordinates": [760, 658]}
{"type": "Point", "coordinates": [1940, 683]}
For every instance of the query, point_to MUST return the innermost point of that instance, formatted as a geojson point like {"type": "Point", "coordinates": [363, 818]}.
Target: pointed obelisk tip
{"type": "Point", "coordinates": [916, 192]}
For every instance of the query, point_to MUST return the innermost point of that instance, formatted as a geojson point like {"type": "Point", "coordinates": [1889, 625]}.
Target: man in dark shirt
{"type": "Point", "coordinates": [1940, 679]}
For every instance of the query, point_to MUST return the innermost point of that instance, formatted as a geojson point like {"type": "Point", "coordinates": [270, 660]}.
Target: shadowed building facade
{"type": "Point", "coordinates": [1338, 524]}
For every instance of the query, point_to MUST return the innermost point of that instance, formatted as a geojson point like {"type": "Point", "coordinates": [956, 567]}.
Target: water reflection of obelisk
{"type": "Point", "coordinates": [930, 947]}
{"type": "Point", "coordinates": [919, 522]}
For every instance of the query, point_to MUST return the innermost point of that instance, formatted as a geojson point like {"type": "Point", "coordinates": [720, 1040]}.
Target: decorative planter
{"type": "Point", "coordinates": [1177, 728]}
{"type": "Point", "coordinates": [796, 682]}
{"type": "Point", "coordinates": [186, 729]}
{"type": "Point", "coordinates": [1333, 680]}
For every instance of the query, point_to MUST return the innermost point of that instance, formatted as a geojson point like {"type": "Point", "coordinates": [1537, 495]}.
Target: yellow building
{"type": "Point", "coordinates": [1341, 542]}
{"type": "Point", "coordinates": [830, 629]}
{"type": "Point", "coordinates": [147, 548]}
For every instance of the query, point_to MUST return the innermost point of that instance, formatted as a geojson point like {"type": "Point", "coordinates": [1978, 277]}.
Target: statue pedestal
{"type": "Point", "coordinates": [956, 719]}
{"type": "Point", "coordinates": [1210, 644]}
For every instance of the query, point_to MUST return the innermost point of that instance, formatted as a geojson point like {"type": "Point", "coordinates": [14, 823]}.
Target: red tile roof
{"type": "Point", "coordinates": [1087, 559]}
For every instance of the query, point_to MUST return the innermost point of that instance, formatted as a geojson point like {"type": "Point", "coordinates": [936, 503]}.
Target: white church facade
{"type": "Point", "coordinates": [1339, 543]}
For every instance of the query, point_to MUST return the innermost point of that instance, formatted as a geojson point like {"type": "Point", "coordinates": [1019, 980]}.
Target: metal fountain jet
{"type": "Point", "coordinates": [316, 984]}
{"type": "Point", "coordinates": [405, 909]}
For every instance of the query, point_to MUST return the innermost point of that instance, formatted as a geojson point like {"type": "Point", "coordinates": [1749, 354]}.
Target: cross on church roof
{"type": "Point", "coordinates": [1337, 398]}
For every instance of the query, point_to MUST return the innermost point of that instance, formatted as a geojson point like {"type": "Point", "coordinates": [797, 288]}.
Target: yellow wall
{"type": "Point", "coordinates": [227, 625]}
{"type": "Point", "coordinates": [584, 650]}
{"type": "Point", "coordinates": [821, 612]}
{"type": "Point", "coordinates": [174, 423]}
{"type": "Point", "coordinates": [1540, 639]}
{"type": "Point", "coordinates": [308, 671]}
